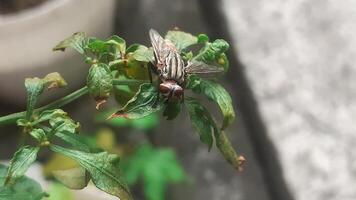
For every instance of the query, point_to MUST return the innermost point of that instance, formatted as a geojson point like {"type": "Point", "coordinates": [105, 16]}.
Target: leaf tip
{"type": "Point", "coordinates": [241, 160]}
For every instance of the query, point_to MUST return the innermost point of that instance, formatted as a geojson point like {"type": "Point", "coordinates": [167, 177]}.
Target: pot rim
{"type": "Point", "coordinates": [29, 13]}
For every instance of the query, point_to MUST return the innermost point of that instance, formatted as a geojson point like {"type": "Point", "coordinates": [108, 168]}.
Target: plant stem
{"type": "Point", "coordinates": [12, 118]}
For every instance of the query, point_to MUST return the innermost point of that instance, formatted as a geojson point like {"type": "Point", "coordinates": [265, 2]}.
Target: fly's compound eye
{"type": "Point", "coordinates": [164, 89]}
{"type": "Point", "coordinates": [178, 93]}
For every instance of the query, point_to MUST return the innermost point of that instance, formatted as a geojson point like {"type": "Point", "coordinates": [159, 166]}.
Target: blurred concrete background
{"type": "Point", "coordinates": [293, 82]}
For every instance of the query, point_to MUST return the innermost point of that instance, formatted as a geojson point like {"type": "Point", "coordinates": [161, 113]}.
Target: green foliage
{"type": "Point", "coordinates": [24, 188]}
{"type": "Point", "coordinates": [21, 161]}
{"type": "Point", "coordinates": [77, 41]}
{"type": "Point", "coordinates": [59, 192]}
{"type": "Point", "coordinates": [201, 120]}
{"type": "Point", "coordinates": [145, 102]}
{"type": "Point", "coordinates": [100, 82]}
{"type": "Point", "coordinates": [124, 72]}
{"type": "Point", "coordinates": [103, 168]}
{"type": "Point", "coordinates": [215, 92]}
{"type": "Point", "coordinates": [156, 167]}
{"type": "Point", "coordinates": [181, 39]}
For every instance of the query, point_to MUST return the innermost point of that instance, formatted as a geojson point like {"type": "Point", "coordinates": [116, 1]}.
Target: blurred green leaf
{"type": "Point", "coordinates": [77, 41]}
{"type": "Point", "coordinates": [181, 39]}
{"type": "Point", "coordinates": [202, 121]}
{"type": "Point", "coordinates": [145, 102]}
{"type": "Point", "coordinates": [172, 110]}
{"type": "Point", "coordinates": [100, 82]}
{"type": "Point", "coordinates": [215, 92]}
{"type": "Point", "coordinates": [59, 192]}
{"type": "Point", "coordinates": [202, 38]}
{"type": "Point", "coordinates": [75, 178]}
{"type": "Point", "coordinates": [103, 168]}
{"type": "Point", "coordinates": [23, 189]}
{"type": "Point", "coordinates": [20, 162]}
{"type": "Point", "coordinates": [156, 167]}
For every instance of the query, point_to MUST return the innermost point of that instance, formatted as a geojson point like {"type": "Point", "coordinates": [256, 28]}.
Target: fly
{"type": "Point", "coordinates": [171, 69]}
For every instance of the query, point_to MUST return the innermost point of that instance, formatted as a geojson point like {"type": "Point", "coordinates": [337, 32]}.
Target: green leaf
{"type": "Point", "coordinates": [59, 192]}
{"type": "Point", "coordinates": [118, 43]}
{"type": "Point", "coordinates": [74, 178]}
{"type": "Point", "coordinates": [216, 93]}
{"type": "Point", "coordinates": [156, 167]}
{"type": "Point", "coordinates": [143, 54]}
{"type": "Point", "coordinates": [202, 38]}
{"type": "Point", "coordinates": [229, 153]}
{"type": "Point", "coordinates": [172, 110]}
{"type": "Point", "coordinates": [103, 168]}
{"type": "Point", "coordinates": [77, 41]}
{"type": "Point", "coordinates": [145, 102]}
{"type": "Point", "coordinates": [202, 121]}
{"type": "Point", "coordinates": [23, 189]}
{"type": "Point", "coordinates": [39, 135]}
{"type": "Point", "coordinates": [35, 86]}
{"type": "Point", "coordinates": [181, 39]}
{"type": "Point", "coordinates": [100, 82]}
{"type": "Point", "coordinates": [214, 53]}
{"type": "Point", "coordinates": [21, 161]}
{"type": "Point", "coordinates": [146, 123]}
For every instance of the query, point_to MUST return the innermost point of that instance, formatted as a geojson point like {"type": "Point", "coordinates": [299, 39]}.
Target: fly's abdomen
{"type": "Point", "coordinates": [174, 67]}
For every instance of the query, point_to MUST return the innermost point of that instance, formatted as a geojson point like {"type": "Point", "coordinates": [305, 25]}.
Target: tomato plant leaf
{"type": "Point", "coordinates": [143, 54]}
{"type": "Point", "coordinates": [20, 162]}
{"type": "Point", "coordinates": [34, 87]}
{"type": "Point", "coordinates": [202, 121]}
{"type": "Point", "coordinates": [77, 41]}
{"type": "Point", "coordinates": [215, 92]}
{"type": "Point", "coordinates": [156, 167]}
{"type": "Point", "coordinates": [181, 39]}
{"type": "Point", "coordinates": [103, 168]}
{"type": "Point", "coordinates": [145, 102]}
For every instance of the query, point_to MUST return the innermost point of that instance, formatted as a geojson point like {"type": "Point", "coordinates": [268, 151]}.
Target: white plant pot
{"type": "Point", "coordinates": [27, 39]}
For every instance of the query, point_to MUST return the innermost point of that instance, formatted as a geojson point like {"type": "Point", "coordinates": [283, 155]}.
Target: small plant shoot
{"type": "Point", "coordinates": [146, 82]}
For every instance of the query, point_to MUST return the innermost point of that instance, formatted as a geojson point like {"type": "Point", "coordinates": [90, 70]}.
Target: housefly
{"type": "Point", "coordinates": [171, 69]}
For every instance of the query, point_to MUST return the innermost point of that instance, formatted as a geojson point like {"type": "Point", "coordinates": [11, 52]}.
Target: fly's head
{"type": "Point", "coordinates": [171, 90]}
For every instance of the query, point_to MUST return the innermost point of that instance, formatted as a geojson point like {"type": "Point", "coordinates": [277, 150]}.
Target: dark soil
{"type": "Point", "coordinates": [11, 6]}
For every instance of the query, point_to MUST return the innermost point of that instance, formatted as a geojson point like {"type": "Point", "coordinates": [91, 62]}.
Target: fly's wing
{"type": "Point", "coordinates": [197, 67]}
{"type": "Point", "coordinates": [160, 47]}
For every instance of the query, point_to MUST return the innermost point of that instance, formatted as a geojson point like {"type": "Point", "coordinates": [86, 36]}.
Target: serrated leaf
{"type": "Point", "coordinates": [227, 150]}
{"type": "Point", "coordinates": [215, 92]}
{"type": "Point", "coordinates": [145, 102]}
{"type": "Point", "coordinates": [156, 167]}
{"type": "Point", "coordinates": [20, 162]}
{"type": "Point", "coordinates": [181, 39]}
{"type": "Point", "coordinates": [100, 82]}
{"type": "Point", "coordinates": [74, 178]}
{"type": "Point", "coordinates": [202, 121]}
{"type": "Point", "coordinates": [23, 189]}
{"type": "Point", "coordinates": [77, 41]}
{"type": "Point", "coordinates": [103, 168]}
